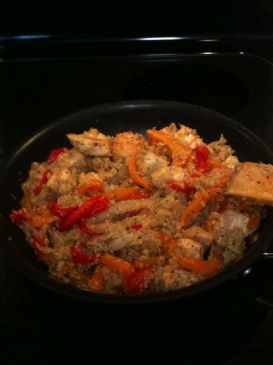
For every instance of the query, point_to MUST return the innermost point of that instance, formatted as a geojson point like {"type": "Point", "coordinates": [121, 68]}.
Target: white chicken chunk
{"type": "Point", "coordinates": [161, 176]}
{"type": "Point", "coordinates": [230, 232]}
{"type": "Point", "coordinates": [119, 243]}
{"type": "Point", "coordinates": [148, 162]}
{"type": "Point", "coordinates": [62, 181]}
{"type": "Point", "coordinates": [189, 247]}
{"type": "Point", "coordinates": [177, 278]}
{"type": "Point", "coordinates": [85, 178]}
{"type": "Point", "coordinates": [186, 135]}
{"type": "Point", "coordinates": [223, 152]}
{"type": "Point", "coordinates": [72, 158]}
{"type": "Point", "coordinates": [127, 144]}
{"type": "Point", "coordinates": [230, 219]}
{"type": "Point", "coordinates": [91, 143]}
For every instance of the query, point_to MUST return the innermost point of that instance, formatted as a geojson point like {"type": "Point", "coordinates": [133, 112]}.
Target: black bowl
{"type": "Point", "coordinates": [111, 119]}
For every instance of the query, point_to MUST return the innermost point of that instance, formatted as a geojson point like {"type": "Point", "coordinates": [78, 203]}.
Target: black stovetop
{"type": "Point", "coordinates": [46, 77]}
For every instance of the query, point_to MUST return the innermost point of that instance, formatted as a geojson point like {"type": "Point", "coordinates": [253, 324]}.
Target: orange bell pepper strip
{"type": "Point", "coordinates": [149, 262]}
{"type": "Point", "coordinates": [92, 186]}
{"type": "Point", "coordinates": [128, 193]}
{"type": "Point", "coordinates": [202, 198]}
{"type": "Point", "coordinates": [180, 152]}
{"type": "Point", "coordinates": [96, 281]}
{"type": "Point", "coordinates": [41, 217]}
{"type": "Point", "coordinates": [169, 243]}
{"type": "Point", "coordinates": [197, 204]}
{"type": "Point", "coordinates": [200, 266]}
{"type": "Point", "coordinates": [117, 265]}
{"type": "Point", "coordinates": [42, 220]}
{"type": "Point", "coordinates": [136, 177]}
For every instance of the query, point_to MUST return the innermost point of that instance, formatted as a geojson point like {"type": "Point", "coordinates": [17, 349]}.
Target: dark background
{"type": "Point", "coordinates": [135, 18]}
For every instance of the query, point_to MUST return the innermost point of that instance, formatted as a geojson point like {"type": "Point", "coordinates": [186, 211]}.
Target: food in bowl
{"type": "Point", "coordinates": [131, 215]}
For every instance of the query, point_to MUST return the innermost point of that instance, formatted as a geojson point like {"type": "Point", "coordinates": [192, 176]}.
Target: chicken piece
{"type": "Point", "coordinates": [230, 232]}
{"type": "Point", "coordinates": [148, 162]}
{"type": "Point", "coordinates": [109, 171]}
{"type": "Point", "coordinates": [62, 181]}
{"type": "Point", "coordinates": [230, 219]}
{"type": "Point", "coordinates": [127, 144]}
{"type": "Point", "coordinates": [170, 129]}
{"type": "Point", "coordinates": [72, 158]}
{"type": "Point", "coordinates": [119, 243]}
{"type": "Point", "coordinates": [91, 143]}
{"type": "Point", "coordinates": [231, 162]}
{"type": "Point", "coordinates": [173, 278]}
{"type": "Point", "coordinates": [189, 247]}
{"type": "Point", "coordinates": [161, 176]}
{"type": "Point", "coordinates": [86, 178]}
{"type": "Point", "coordinates": [253, 181]}
{"type": "Point", "coordinates": [222, 152]}
{"type": "Point", "coordinates": [198, 234]}
{"type": "Point", "coordinates": [186, 135]}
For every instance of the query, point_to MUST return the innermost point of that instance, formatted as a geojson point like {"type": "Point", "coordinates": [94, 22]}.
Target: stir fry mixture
{"type": "Point", "coordinates": [129, 214]}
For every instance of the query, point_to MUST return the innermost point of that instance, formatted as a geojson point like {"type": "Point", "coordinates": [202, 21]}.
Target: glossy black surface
{"type": "Point", "coordinates": [119, 19]}
{"type": "Point", "coordinates": [65, 72]}
{"type": "Point", "coordinates": [34, 92]}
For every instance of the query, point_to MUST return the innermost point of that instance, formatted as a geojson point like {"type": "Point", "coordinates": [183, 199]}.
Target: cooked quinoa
{"type": "Point", "coordinates": [132, 215]}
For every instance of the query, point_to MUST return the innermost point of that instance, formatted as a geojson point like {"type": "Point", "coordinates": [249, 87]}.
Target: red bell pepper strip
{"type": "Point", "coordinates": [136, 227]}
{"type": "Point", "coordinates": [59, 211]}
{"type": "Point", "coordinates": [88, 208]}
{"type": "Point", "coordinates": [183, 187]}
{"type": "Point", "coordinates": [84, 229]}
{"type": "Point", "coordinates": [18, 217]}
{"type": "Point", "coordinates": [39, 243]}
{"type": "Point", "coordinates": [133, 213]}
{"type": "Point", "coordinates": [55, 153]}
{"type": "Point", "coordinates": [202, 155]}
{"type": "Point", "coordinates": [135, 283]}
{"type": "Point", "coordinates": [79, 257]}
{"type": "Point", "coordinates": [43, 180]}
